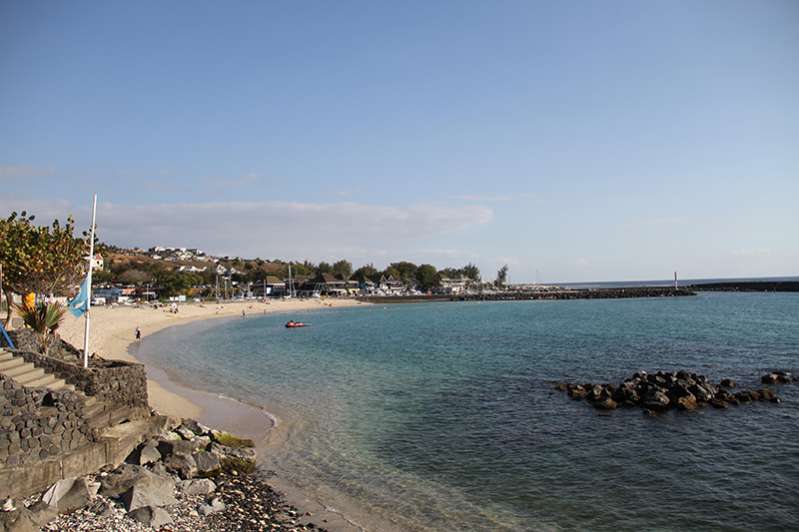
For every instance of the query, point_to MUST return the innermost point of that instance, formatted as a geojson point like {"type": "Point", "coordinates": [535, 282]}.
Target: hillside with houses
{"type": "Point", "coordinates": [181, 273]}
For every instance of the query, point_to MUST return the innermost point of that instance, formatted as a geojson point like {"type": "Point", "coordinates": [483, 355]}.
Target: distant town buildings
{"type": "Point", "coordinates": [226, 277]}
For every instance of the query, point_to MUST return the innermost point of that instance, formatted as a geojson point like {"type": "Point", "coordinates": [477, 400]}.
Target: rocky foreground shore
{"type": "Point", "coordinates": [681, 390]}
{"type": "Point", "coordinates": [188, 477]}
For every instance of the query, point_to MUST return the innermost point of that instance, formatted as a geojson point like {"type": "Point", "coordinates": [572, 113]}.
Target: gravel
{"type": "Point", "coordinates": [250, 504]}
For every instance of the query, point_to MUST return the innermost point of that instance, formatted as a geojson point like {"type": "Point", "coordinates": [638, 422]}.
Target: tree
{"type": "Point", "coordinates": [342, 269]}
{"type": "Point", "coordinates": [427, 277]}
{"type": "Point", "coordinates": [407, 270]}
{"type": "Point", "coordinates": [135, 277]}
{"type": "Point", "coordinates": [471, 271]}
{"type": "Point", "coordinates": [43, 260]}
{"type": "Point", "coordinates": [323, 267]}
{"type": "Point", "coordinates": [367, 272]}
{"type": "Point", "coordinates": [451, 273]}
{"type": "Point", "coordinates": [298, 269]}
{"type": "Point", "coordinates": [391, 271]}
{"type": "Point", "coordinates": [502, 276]}
{"type": "Point", "coordinates": [174, 283]}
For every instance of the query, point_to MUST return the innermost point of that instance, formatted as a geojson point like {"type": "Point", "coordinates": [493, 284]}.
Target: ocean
{"type": "Point", "coordinates": [442, 416]}
{"type": "Point", "coordinates": [681, 282]}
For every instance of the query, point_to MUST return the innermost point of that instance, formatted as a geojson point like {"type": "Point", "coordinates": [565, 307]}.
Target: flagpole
{"type": "Point", "coordinates": [89, 286]}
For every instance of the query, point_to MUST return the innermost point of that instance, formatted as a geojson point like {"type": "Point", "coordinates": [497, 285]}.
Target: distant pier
{"type": "Point", "coordinates": [552, 294]}
{"type": "Point", "coordinates": [748, 286]}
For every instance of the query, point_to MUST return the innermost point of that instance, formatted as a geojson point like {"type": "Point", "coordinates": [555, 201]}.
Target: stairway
{"type": "Point", "coordinates": [99, 414]}
{"type": "Point", "coordinates": [27, 374]}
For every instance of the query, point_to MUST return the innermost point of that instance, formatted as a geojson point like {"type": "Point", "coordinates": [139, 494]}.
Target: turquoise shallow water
{"type": "Point", "coordinates": [442, 415]}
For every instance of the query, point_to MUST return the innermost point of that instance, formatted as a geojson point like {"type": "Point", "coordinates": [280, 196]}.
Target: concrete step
{"type": "Point", "coordinates": [60, 384]}
{"type": "Point", "coordinates": [29, 376]}
{"type": "Point", "coordinates": [110, 416]}
{"type": "Point", "coordinates": [11, 362]}
{"type": "Point", "coordinates": [93, 409]}
{"type": "Point", "coordinates": [43, 382]}
{"type": "Point", "coordinates": [19, 369]}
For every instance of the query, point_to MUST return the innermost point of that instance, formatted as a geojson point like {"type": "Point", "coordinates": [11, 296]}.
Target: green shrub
{"type": "Point", "coordinates": [43, 318]}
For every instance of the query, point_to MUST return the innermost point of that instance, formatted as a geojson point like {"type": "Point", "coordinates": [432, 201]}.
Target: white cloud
{"type": "Point", "coordinates": [493, 198]}
{"type": "Point", "coordinates": [269, 228]}
{"type": "Point", "coordinates": [19, 171]}
{"type": "Point", "coordinates": [488, 198]}
{"type": "Point", "coordinates": [752, 252]}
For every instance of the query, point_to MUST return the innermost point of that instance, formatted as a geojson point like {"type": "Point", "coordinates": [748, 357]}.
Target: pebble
{"type": "Point", "coordinates": [261, 508]}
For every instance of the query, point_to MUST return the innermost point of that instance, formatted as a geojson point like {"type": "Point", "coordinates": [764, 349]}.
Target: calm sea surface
{"type": "Point", "coordinates": [442, 416]}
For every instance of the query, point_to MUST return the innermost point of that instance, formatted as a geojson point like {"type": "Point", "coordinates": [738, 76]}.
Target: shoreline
{"type": "Point", "coordinates": [112, 337]}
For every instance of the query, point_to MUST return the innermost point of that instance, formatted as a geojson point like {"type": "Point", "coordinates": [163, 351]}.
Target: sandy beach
{"type": "Point", "coordinates": [113, 332]}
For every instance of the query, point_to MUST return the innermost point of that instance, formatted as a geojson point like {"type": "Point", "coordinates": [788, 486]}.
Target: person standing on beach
{"type": "Point", "coordinates": [138, 333]}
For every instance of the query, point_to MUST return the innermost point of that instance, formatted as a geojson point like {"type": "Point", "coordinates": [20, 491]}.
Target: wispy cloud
{"type": "Point", "coordinates": [751, 252]}
{"type": "Point", "coordinates": [493, 198]}
{"type": "Point", "coordinates": [664, 220]}
{"type": "Point", "coordinates": [269, 228]}
{"type": "Point", "coordinates": [486, 198]}
{"type": "Point", "coordinates": [19, 171]}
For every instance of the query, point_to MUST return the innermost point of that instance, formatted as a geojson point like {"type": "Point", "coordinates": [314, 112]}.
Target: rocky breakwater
{"type": "Point", "coordinates": [681, 390]}
{"type": "Point", "coordinates": [188, 477]}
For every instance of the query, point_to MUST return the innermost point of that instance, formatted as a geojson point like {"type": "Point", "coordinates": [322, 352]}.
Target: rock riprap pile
{"type": "Point", "coordinates": [681, 390]}
{"type": "Point", "coordinates": [188, 477]}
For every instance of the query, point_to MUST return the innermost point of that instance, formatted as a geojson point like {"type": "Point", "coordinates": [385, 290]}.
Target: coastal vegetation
{"type": "Point", "coordinates": [49, 261]}
{"type": "Point", "coordinates": [197, 275]}
{"type": "Point", "coordinates": [502, 276]}
{"type": "Point", "coordinates": [43, 318]}
{"type": "Point", "coordinates": [41, 260]}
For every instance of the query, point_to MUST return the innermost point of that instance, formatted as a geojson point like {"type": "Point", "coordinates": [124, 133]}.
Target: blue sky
{"type": "Point", "coordinates": [586, 140]}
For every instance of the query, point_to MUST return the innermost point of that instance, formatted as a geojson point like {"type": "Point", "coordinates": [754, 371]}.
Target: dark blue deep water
{"type": "Point", "coordinates": [442, 416]}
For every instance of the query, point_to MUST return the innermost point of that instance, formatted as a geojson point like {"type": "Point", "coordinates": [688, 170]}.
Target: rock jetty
{"type": "Point", "coordinates": [188, 477]}
{"type": "Point", "coordinates": [778, 377]}
{"type": "Point", "coordinates": [681, 390]}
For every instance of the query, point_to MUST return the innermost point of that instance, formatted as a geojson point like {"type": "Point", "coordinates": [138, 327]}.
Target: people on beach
{"type": "Point", "coordinates": [138, 333]}
{"type": "Point", "coordinates": [243, 314]}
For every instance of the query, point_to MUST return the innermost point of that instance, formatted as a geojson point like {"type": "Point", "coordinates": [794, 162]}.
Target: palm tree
{"type": "Point", "coordinates": [44, 318]}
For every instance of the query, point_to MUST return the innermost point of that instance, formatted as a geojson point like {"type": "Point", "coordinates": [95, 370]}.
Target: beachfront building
{"type": "Point", "coordinates": [332, 286]}
{"type": "Point", "coordinates": [325, 284]}
{"type": "Point", "coordinates": [108, 295]}
{"type": "Point", "coordinates": [368, 288]}
{"type": "Point", "coordinates": [271, 286]}
{"type": "Point", "coordinates": [389, 286]}
{"type": "Point", "coordinates": [455, 285]}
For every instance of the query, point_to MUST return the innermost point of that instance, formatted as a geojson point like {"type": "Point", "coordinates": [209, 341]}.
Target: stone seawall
{"type": "Point", "coordinates": [37, 424]}
{"type": "Point", "coordinates": [123, 383]}
{"type": "Point", "coordinates": [108, 449]}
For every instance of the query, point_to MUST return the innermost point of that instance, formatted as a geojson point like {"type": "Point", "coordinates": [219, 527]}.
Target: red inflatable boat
{"type": "Point", "coordinates": [294, 324]}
